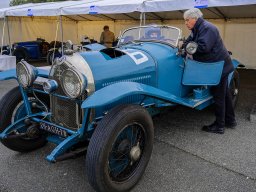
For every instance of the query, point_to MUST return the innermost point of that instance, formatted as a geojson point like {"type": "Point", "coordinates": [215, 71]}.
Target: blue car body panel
{"type": "Point", "coordinates": [105, 96]}
{"type": "Point", "coordinates": [198, 73]}
{"type": "Point", "coordinates": [94, 47]}
{"type": "Point", "coordinates": [11, 74]}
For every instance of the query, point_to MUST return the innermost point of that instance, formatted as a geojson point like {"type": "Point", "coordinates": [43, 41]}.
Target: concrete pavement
{"type": "Point", "coordinates": [184, 158]}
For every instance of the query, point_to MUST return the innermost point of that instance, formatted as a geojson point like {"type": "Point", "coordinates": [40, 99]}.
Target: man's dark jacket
{"type": "Point", "coordinates": [210, 45]}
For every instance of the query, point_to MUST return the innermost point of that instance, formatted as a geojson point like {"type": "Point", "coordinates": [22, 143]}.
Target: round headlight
{"type": "Point", "coordinates": [26, 73]}
{"type": "Point", "coordinates": [73, 83]}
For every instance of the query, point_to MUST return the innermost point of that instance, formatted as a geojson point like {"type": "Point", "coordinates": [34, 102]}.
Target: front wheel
{"type": "Point", "coordinates": [12, 108]}
{"type": "Point", "coordinates": [120, 149]}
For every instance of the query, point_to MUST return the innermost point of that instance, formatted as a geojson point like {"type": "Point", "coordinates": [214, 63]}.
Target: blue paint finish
{"type": "Point", "coordinates": [110, 70]}
{"type": "Point", "coordinates": [43, 72]}
{"type": "Point", "coordinates": [94, 47]}
{"type": "Point", "coordinates": [13, 126]}
{"type": "Point", "coordinates": [26, 101]}
{"type": "Point", "coordinates": [9, 74]}
{"type": "Point", "coordinates": [85, 124]}
{"type": "Point", "coordinates": [235, 63]}
{"type": "Point", "coordinates": [198, 73]}
{"type": "Point", "coordinates": [32, 48]}
{"type": "Point", "coordinates": [33, 51]}
{"type": "Point", "coordinates": [107, 70]}
{"type": "Point", "coordinates": [105, 95]}
{"type": "Point", "coordinates": [54, 139]}
{"type": "Point", "coordinates": [63, 147]}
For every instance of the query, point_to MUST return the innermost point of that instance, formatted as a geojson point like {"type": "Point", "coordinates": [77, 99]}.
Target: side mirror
{"type": "Point", "coordinates": [191, 47]}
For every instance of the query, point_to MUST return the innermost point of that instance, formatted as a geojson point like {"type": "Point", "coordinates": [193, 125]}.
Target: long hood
{"type": "Point", "coordinates": [114, 65]}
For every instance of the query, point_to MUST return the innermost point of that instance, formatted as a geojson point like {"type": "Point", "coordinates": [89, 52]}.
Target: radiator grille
{"type": "Point", "coordinates": [65, 112]}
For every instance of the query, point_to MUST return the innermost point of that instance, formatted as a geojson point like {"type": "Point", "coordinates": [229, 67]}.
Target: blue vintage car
{"type": "Point", "coordinates": [103, 102]}
{"type": "Point", "coordinates": [31, 50]}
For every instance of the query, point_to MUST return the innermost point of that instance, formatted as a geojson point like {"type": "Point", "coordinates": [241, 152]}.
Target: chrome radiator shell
{"type": "Point", "coordinates": [68, 112]}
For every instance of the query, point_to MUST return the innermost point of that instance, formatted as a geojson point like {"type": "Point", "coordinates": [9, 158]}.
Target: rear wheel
{"type": "Point", "coordinates": [120, 149]}
{"type": "Point", "coordinates": [234, 87]}
{"type": "Point", "coordinates": [12, 108]}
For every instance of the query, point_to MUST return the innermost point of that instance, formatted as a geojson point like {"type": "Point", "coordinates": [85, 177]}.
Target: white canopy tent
{"type": "Point", "coordinates": [236, 20]}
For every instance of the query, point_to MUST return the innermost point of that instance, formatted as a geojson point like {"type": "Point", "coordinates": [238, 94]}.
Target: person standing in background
{"type": "Point", "coordinates": [107, 37]}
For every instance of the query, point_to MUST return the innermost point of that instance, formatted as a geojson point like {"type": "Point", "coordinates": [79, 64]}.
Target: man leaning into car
{"type": "Point", "coordinates": [211, 49]}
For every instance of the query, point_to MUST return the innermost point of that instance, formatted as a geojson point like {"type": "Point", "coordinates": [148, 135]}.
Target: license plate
{"type": "Point", "coordinates": [53, 129]}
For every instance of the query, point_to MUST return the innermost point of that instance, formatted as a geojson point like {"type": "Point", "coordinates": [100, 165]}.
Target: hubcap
{"type": "Point", "coordinates": [135, 153]}
{"type": "Point", "coordinates": [235, 91]}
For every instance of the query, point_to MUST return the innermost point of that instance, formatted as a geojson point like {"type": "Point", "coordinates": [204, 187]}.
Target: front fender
{"type": "Point", "coordinates": [11, 74]}
{"type": "Point", "coordinates": [120, 90]}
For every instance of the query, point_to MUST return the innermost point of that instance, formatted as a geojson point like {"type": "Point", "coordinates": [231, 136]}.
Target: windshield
{"type": "Point", "coordinates": [158, 33]}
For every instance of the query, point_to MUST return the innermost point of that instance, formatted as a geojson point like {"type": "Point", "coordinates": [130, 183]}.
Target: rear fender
{"type": "Point", "coordinates": [236, 63]}
{"type": "Point", "coordinates": [105, 95]}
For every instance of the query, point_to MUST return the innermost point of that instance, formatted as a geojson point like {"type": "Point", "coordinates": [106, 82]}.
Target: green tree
{"type": "Point", "coordinates": [19, 2]}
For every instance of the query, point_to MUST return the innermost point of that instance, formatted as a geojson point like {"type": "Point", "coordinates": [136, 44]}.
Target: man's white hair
{"type": "Point", "coordinates": [193, 13]}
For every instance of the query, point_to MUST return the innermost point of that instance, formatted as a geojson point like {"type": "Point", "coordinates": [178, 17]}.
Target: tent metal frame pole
{"type": "Point", "coordinates": [144, 19]}
{"type": "Point", "coordinates": [8, 31]}
{"type": "Point", "coordinates": [141, 19]}
{"type": "Point", "coordinates": [61, 31]}
{"type": "Point", "coordinates": [2, 40]}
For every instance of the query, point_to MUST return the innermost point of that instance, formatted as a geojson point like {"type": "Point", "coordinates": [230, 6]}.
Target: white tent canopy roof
{"type": "Point", "coordinates": [127, 7]}
{"type": "Point", "coordinates": [172, 5]}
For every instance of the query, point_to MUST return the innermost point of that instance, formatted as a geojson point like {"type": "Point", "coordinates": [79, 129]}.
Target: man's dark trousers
{"type": "Point", "coordinates": [224, 110]}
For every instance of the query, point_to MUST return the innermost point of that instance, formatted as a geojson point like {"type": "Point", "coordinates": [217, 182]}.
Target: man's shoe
{"type": "Point", "coordinates": [213, 128]}
{"type": "Point", "coordinates": [231, 125]}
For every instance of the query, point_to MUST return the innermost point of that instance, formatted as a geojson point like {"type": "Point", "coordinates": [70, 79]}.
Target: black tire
{"type": "Point", "coordinates": [234, 87]}
{"type": "Point", "coordinates": [44, 48]}
{"type": "Point", "coordinates": [50, 55]}
{"type": "Point", "coordinates": [7, 109]}
{"type": "Point", "coordinates": [21, 53]}
{"type": "Point", "coordinates": [105, 139]}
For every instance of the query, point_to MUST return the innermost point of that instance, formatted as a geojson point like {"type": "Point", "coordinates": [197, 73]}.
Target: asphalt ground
{"type": "Point", "coordinates": [184, 158]}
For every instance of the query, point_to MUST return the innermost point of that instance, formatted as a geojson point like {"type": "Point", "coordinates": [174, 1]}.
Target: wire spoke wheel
{"type": "Point", "coordinates": [120, 148]}
{"type": "Point", "coordinates": [126, 152]}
